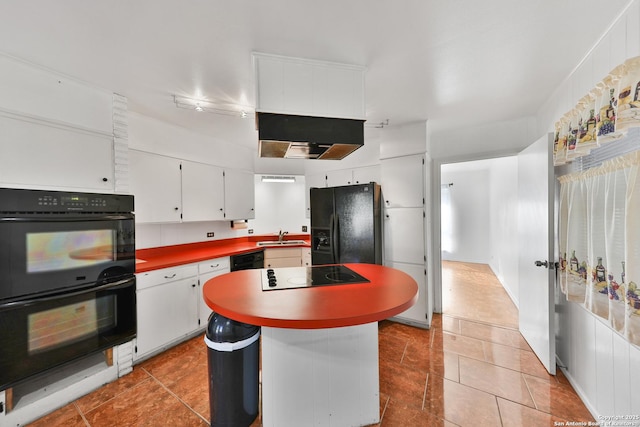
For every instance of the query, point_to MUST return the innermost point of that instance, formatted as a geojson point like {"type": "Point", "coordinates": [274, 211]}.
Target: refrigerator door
{"type": "Point", "coordinates": [322, 225]}
{"type": "Point", "coordinates": [356, 236]}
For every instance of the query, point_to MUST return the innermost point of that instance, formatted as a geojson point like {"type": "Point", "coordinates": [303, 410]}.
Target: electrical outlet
{"type": "Point", "coordinates": [304, 228]}
{"type": "Point", "coordinates": [250, 231]}
{"type": "Point", "coordinates": [210, 234]}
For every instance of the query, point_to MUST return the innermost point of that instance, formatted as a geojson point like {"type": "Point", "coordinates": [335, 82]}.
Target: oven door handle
{"type": "Point", "coordinates": [107, 286]}
{"type": "Point", "coordinates": [67, 217]}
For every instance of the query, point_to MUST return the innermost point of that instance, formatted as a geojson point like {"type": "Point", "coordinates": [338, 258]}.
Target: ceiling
{"type": "Point", "coordinates": [455, 63]}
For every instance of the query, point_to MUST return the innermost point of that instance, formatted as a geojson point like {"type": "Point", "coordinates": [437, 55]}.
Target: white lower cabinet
{"type": "Point", "coordinates": [416, 314]}
{"type": "Point", "coordinates": [170, 305]}
{"type": "Point", "coordinates": [208, 270]}
{"type": "Point", "coordinates": [167, 302]}
{"type": "Point", "coordinates": [282, 257]}
{"type": "Point", "coordinates": [306, 257]}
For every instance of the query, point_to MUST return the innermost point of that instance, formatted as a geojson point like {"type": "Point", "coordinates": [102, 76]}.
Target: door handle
{"type": "Point", "coordinates": [544, 264]}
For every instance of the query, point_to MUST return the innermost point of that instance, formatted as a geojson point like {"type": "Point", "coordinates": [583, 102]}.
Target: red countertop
{"type": "Point", "coordinates": [171, 256]}
{"type": "Point", "coordinates": [239, 296]}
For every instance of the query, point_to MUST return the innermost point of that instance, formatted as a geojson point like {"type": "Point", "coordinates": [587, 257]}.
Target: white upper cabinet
{"type": "Point", "coordinates": [155, 183]}
{"type": "Point", "coordinates": [306, 87]}
{"type": "Point", "coordinates": [202, 192]}
{"type": "Point", "coordinates": [339, 177]}
{"type": "Point", "coordinates": [403, 181]}
{"type": "Point", "coordinates": [167, 189]}
{"type": "Point", "coordinates": [366, 174]}
{"type": "Point", "coordinates": [38, 155]}
{"type": "Point", "coordinates": [56, 132]}
{"type": "Point", "coordinates": [239, 194]}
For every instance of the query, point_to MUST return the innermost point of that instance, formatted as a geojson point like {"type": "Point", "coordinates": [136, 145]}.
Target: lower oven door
{"type": "Point", "coordinates": [41, 333]}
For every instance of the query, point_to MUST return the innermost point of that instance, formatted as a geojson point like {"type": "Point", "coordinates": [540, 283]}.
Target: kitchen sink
{"type": "Point", "coordinates": [281, 243]}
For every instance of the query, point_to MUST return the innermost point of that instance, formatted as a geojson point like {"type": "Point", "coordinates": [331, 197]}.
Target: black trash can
{"type": "Point", "coordinates": [233, 357]}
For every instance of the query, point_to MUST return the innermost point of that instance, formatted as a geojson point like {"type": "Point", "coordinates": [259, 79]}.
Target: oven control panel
{"type": "Point", "coordinates": [14, 200]}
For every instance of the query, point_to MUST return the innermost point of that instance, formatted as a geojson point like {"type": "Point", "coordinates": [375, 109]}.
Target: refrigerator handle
{"type": "Point", "coordinates": [335, 232]}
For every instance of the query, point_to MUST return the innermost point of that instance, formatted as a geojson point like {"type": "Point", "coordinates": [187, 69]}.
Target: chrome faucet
{"type": "Point", "coordinates": [281, 235]}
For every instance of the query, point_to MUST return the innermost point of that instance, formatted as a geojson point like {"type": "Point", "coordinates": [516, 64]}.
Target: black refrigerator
{"type": "Point", "coordinates": [346, 224]}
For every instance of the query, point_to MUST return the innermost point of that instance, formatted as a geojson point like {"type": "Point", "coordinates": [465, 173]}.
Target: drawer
{"type": "Point", "coordinates": [217, 264]}
{"type": "Point", "coordinates": [165, 275]}
{"type": "Point", "coordinates": [282, 262]}
{"type": "Point", "coordinates": [282, 253]}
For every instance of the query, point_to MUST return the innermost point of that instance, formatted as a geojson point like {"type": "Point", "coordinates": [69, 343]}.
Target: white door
{"type": "Point", "coordinates": [535, 245]}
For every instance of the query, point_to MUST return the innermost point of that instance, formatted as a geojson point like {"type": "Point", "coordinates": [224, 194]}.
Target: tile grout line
{"type": "Point", "coordinates": [424, 393]}
{"type": "Point", "coordinates": [83, 414]}
{"type": "Point", "coordinates": [176, 397]}
{"type": "Point", "coordinates": [87, 423]}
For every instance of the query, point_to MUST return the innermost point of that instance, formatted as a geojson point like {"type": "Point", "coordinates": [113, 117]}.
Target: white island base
{"type": "Point", "coordinates": [320, 377]}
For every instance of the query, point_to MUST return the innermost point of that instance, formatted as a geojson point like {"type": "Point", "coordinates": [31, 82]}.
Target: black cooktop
{"type": "Point", "coordinates": [306, 277]}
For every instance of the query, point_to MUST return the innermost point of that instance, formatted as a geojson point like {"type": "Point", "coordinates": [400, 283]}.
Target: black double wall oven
{"type": "Point", "coordinates": [67, 283]}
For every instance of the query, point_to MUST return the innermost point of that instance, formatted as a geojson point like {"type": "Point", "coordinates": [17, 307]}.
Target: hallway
{"type": "Point", "coordinates": [472, 368]}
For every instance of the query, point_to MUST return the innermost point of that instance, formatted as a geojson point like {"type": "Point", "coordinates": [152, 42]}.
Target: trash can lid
{"type": "Point", "coordinates": [223, 329]}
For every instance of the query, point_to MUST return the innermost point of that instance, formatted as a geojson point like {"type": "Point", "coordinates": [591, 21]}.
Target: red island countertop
{"type": "Point", "coordinates": [170, 256]}
{"type": "Point", "coordinates": [239, 296]}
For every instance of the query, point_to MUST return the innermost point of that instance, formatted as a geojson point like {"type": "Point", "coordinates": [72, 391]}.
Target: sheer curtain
{"type": "Point", "coordinates": [599, 228]}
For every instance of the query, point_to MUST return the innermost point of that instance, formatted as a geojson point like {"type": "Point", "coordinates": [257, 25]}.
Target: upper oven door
{"type": "Point", "coordinates": [41, 254]}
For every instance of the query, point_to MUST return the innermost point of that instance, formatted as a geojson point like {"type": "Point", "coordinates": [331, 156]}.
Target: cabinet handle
{"type": "Point", "coordinates": [221, 209]}
{"type": "Point", "coordinates": [105, 179]}
{"type": "Point", "coordinates": [214, 266]}
{"type": "Point", "coordinates": [387, 215]}
{"type": "Point", "coordinates": [193, 285]}
{"type": "Point", "coordinates": [386, 201]}
{"type": "Point", "coordinates": [170, 277]}
{"type": "Point", "coordinates": [176, 208]}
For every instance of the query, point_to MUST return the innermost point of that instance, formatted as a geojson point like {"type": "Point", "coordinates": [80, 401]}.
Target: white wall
{"type": "Point", "coordinates": [600, 364]}
{"type": "Point", "coordinates": [503, 222]}
{"type": "Point", "coordinates": [468, 219]}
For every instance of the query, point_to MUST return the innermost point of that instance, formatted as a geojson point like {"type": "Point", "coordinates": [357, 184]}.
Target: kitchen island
{"type": "Point", "coordinates": [319, 344]}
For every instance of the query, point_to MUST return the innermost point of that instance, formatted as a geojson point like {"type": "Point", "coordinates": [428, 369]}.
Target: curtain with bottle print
{"type": "Point", "coordinates": [599, 229]}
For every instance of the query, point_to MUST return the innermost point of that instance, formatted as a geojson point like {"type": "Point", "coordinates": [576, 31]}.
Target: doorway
{"type": "Point", "coordinates": [477, 215]}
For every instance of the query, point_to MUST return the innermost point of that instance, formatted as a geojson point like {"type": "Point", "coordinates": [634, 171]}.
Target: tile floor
{"type": "Point", "coordinates": [472, 368]}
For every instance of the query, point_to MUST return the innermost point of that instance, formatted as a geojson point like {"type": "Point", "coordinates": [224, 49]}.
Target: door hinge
{"type": "Point", "coordinates": [135, 349]}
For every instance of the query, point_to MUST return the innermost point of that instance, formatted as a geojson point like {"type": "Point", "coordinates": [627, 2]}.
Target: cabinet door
{"type": "Point", "coordinates": [209, 270]}
{"type": "Point", "coordinates": [403, 181]}
{"type": "Point", "coordinates": [202, 192]}
{"type": "Point", "coordinates": [306, 257]}
{"type": "Point", "coordinates": [416, 314]}
{"type": "Point", "coordinates": [366, 175]}
{"type": "Point", "coordinates": [166, 312]}
{"type": "Point", "coordinates": [339, 177]}
{"type": "Point", "coordinates": [318, 180]}
{"type": "Point", "coordinates": [282, 257]}
{"type": "Point", "coordinates": [33, 154]}
{"type": "Point", "coordinates": [404, 235]}
{"type": "Point", "coordinates": [239, 194]}
{"type": "Point", "coordinates": [155, 183]}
